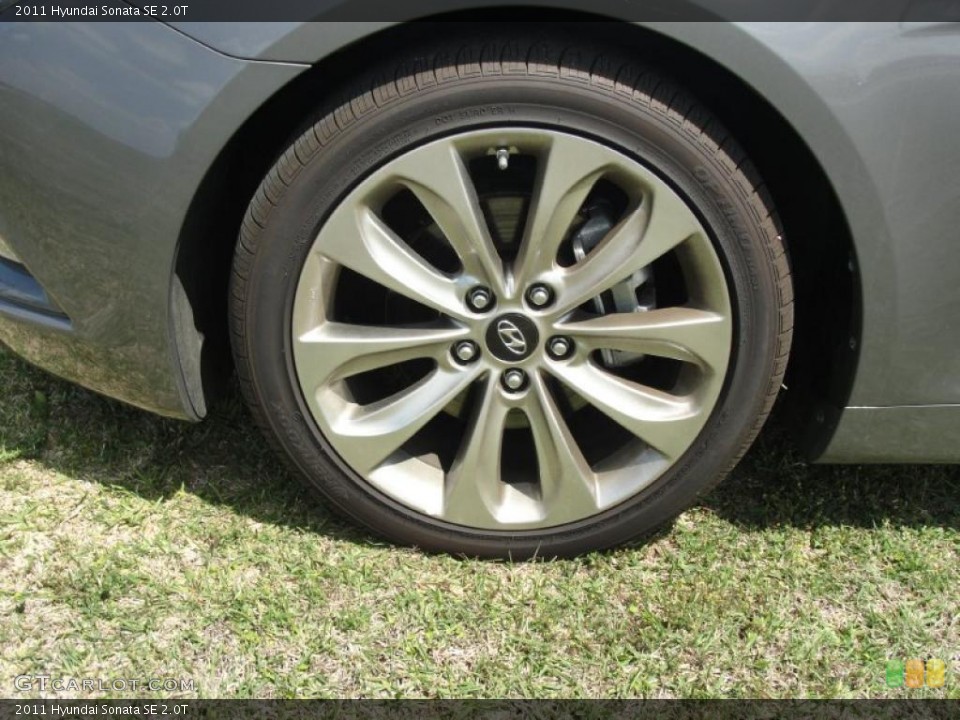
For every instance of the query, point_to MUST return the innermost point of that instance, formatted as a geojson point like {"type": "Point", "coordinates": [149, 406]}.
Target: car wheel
{"type": "Point", "coordinates": [511, 299]}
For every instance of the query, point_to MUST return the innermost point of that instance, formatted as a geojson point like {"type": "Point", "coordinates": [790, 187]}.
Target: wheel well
{"type": "Point", "coordinates": [823, 358]}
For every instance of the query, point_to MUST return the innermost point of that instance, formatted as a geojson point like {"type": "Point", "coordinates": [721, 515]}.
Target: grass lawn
{"type": "Point", "coordinates": [138, 547]}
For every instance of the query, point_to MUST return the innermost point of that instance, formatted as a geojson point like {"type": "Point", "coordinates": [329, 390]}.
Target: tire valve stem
{"type": "Point", "coordinates": [503, 158]}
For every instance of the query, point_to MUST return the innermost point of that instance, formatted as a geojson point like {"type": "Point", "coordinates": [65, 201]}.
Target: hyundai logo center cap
{"type": "Point", "coordinates": [512, 337]}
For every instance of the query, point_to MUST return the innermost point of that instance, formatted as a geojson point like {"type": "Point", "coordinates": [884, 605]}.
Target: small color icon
{"type": "Point", "coordinates": [895, 671]}
{"type": "Point", "coordinates": [914, 673]}
{"type": "Point", "coordinates": [936, 673]}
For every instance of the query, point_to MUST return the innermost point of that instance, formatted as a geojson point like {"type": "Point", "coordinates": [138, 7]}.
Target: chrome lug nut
{"type": "Point", "coordinates": [466, 351]}
{"type": "Point", "coordinates": [480, 299]}
{"type": "Point", "coordinates": [539, 296]}
{"type": "Point", "coordinates": [559, 347]}
{"type": "Point", "coordinates": [503, 158]}
{"type": "Point", "coordinates": [514, 380]}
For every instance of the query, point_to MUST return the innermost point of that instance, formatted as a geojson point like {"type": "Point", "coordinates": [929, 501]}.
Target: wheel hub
{"type": "Point", "coordinates": [512, 337]}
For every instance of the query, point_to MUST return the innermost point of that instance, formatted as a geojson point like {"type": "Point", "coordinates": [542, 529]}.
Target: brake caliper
{"type": "Point", "coordinates": [635, 294]}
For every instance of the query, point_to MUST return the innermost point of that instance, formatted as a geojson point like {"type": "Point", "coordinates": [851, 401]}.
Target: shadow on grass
{"type": "Point", "coordinates": [225, 461]}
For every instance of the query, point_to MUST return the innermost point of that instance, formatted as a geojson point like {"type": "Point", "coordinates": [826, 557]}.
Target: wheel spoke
{"type": "Point", "coordinates": [361, 241]}
{"type": "Point", "coordinates": [439, 178]}
{"type": "Point", "coordinates": [666, 422]}
{"type": "Point", "coordinates": [567, 483]}
{"type": "Point", "coordinates": [658, 225]}
{"type": "Point", "coordinates": [694, 336]}
{"type": "Point", "coordinates": [567, 172]}
{"type": "Point", "coordinates": [333, 351]}
{"type": "Point", "coordinates": [473, 489]}
{"type": "Point", "coordinates": [368, 434]}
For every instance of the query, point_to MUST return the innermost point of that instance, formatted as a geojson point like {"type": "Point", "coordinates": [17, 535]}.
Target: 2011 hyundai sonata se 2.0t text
{"type": "Point", "coordinates": [501, 290]}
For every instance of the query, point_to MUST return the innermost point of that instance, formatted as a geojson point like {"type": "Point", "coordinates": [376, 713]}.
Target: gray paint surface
{"type": "Point", "coordinates": [108, 129]}
{"type": "Point", "coordinates": [114, 125]}
{"type": "Point", "coordinates": [909, 434]}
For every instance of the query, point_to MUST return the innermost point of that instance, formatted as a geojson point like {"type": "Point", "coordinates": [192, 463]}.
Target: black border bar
{"type": "Point", "coordinates": [936, 11]}
{"type": "Point", "coordinates": [486, 709]}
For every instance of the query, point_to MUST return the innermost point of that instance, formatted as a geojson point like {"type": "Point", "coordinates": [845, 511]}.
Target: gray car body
{"type": "Point", "coordinates": [110, 131]}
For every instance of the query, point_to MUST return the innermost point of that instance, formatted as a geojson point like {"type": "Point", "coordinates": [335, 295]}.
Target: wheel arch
{"type": "Point", "coordinates": [823, 360]}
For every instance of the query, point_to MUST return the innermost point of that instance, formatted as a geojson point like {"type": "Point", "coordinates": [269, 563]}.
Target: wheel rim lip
{"type": "Point", "coordinates": [548, 323]}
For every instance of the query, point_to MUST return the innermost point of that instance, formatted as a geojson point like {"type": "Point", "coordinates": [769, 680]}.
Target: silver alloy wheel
{"type": "Point", "coordinates": [565, 483]}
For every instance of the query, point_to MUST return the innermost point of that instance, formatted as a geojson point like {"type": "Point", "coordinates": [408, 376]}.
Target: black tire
{"type": "Point", "coordinates": [598, 92]}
